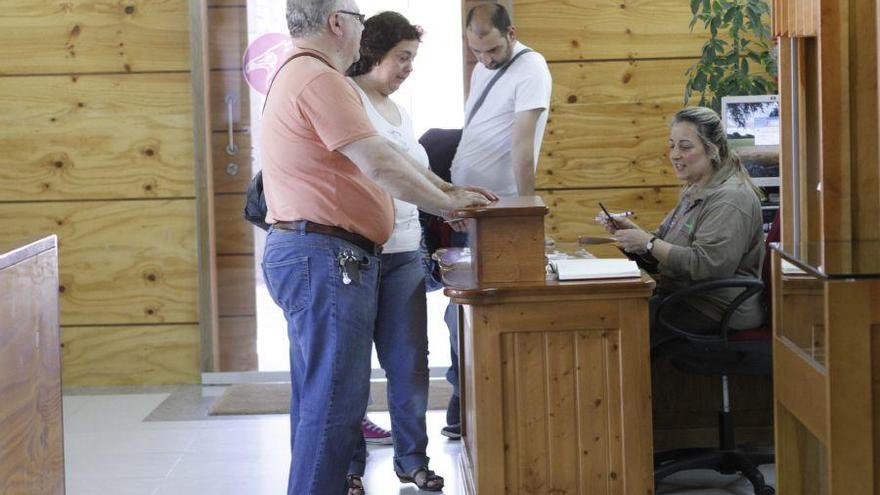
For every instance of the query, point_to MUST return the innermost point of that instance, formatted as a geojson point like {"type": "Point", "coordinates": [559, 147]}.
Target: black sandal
{"type": "Point", "coordinates": [423, 478]}
{"type": "Point", "coordinates": [355, 484]}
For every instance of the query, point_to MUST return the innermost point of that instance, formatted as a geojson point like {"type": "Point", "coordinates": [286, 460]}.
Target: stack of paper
{"type": "Point", "coordinates": [596, 268]}
{"type": "Point", "coordinates": [790, 269]}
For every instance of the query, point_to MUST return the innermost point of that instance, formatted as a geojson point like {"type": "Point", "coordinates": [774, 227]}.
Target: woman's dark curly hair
{"type": "Point", "coordinates": [382, 32]}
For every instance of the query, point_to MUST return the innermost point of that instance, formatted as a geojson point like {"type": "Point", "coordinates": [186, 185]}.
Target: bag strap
{"type": "Point", "coordinates": [300, 54]}
{"type": "Point", "coordinates": [497, 76]}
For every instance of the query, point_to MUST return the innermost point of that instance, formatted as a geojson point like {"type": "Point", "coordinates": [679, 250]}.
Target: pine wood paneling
{"type": "Point", "coordinates": [227, 36]}
{"type": "Point", "coordinates": [134, 355]}
{"type": "Point", "coordinates": [236, 293]}
{"type": "Point", "coordinates": [122, 262]}
{"type": "Point", "coordinates": [609, 145]}
{"type": "Point", "coordinates": [609, 123]}
{"type": "Point", "coordinates": [553, 373]}
{"type": "Point", "coordinates": [593, 423]}
{"type": "Point", "coordinates": [533, 414]}
{"type": "Point", "coordinates": [632, 81]}
{"type": "Point", "coordinates": [605, 29]}
{"type": "Point", "coordinates": [234, 234]}
{"type": "Point", "coordinates": [76, 36]}
{"type": "Point", "coordinates": [238, 343]}
{"type": "Point", "coordinates": [572, 212]}
{"type": "Point", "coordinates": [223, 181]}
{"type": "Point", "coordinates": [562, 403]}
{"type": "Point", "coordinates": [89, 137]}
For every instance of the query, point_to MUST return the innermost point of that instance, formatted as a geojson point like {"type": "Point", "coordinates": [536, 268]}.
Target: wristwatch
{"type": "Point", "coordinates": [650, 245]}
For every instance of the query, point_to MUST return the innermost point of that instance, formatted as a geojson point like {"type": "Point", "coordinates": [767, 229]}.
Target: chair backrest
{"type": "Point", "coordinates": [764, 332]}
{"type": "Point", "coordinates": [773, 235]}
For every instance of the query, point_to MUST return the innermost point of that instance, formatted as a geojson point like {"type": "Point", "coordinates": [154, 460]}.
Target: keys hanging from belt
{"type": "Point", "coordinates": [349, 266]}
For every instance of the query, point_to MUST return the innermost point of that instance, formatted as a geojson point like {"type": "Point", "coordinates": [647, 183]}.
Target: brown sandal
{"type": "Point", "coordinates": [355, 484]}
{"type": "Point", "coordinates": [423, 478]}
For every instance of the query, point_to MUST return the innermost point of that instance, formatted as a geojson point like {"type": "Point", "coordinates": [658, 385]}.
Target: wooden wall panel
{"type": "Point", "coordinates": [90, 137]}
{"type": "Point", "coordinates": [238, 343]}
{"type": "Point", "coordinates": [236, 293]}
{"type": "Point", "coordinates": [228, 34]}
{"type": "Point", "coordinates": [98, 136]}
{"type": "Point", "coordinates": [123, 262]}
{"type": "Point", "coordinates": [79, 36]}
{"type": "Point", "coordinates": [234, 234]}
{"type": "Point", "coordinates": [630, 81]}
{"type": "Point", "coordinates": [223, 181]}
{"type": "Point", "coordinates": [572, 212]}
{"type": "Point", "coordinates": [609, 124]}
{"type": "Point", "coordinates": [131, 355]}
{"type": "Point", "coordinates": [606, 29]}
{"type": "Point", "coordinates": [615, 145]}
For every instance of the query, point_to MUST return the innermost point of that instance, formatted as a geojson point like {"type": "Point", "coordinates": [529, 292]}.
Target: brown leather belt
{"type": "Point", "coordinates": [317, 228]}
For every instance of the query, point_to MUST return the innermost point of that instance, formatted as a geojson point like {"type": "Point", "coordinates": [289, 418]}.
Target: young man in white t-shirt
{"type": "Point", "coordinates": [500, 144]}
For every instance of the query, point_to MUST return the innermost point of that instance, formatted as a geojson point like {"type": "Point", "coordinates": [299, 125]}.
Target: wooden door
{"type": "Point", "coordinates": [230, 157]}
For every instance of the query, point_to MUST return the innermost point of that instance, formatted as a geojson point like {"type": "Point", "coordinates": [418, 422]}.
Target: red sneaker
{"type": "Point", "coordinates": [374, 433]}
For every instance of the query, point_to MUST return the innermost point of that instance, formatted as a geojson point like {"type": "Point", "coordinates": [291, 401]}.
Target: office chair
{"type": "Point", "coordinates": [724, 352]}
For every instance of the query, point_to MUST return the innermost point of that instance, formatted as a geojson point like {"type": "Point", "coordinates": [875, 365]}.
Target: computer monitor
{"type": "Point", "coordinates": [752, 127]}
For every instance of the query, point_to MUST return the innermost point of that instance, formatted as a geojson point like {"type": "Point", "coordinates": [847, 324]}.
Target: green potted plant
{"type": "Point", "coordinates": [739, 57]}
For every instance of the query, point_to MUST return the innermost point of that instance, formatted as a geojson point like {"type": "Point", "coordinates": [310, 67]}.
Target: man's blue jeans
{"type": "Point", "coordinates": [401, 337]}
{"type": "Point", "coordinates": [330, 325]}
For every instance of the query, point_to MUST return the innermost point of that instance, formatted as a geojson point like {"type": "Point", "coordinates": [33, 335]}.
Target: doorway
{"type": "Point", "coordinates": [433, 95]}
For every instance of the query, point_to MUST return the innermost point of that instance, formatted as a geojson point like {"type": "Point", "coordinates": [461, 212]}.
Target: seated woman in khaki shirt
{"type": "Point", "coordinates": [714, 232]}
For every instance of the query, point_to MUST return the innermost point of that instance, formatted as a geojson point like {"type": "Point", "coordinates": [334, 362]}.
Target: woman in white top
{"type": "Point", "coordinates": [388, 46]}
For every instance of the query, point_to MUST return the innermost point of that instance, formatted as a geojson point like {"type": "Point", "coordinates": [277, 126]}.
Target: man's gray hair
{"type": "Point", "coordinates": [307, 17]}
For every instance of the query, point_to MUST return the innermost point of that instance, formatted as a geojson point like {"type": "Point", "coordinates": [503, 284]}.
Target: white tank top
{"type": "Point", "coordinates": [407, 232]}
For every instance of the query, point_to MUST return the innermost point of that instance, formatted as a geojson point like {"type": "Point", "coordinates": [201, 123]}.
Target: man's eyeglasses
{"type": "Point", "coordinates": [360, 17]}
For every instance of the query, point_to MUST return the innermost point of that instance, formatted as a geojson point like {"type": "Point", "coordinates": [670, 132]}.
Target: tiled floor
{"type": "Point", "coordinates": [110, 450]}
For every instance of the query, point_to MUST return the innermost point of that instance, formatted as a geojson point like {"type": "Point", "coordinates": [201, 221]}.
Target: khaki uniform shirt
{"type": "Point", "coordinates": [715, 232]}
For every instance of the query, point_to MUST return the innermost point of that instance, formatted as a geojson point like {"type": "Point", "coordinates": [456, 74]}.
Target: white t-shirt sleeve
{"type": "Point", "coordinates": [533, 90]}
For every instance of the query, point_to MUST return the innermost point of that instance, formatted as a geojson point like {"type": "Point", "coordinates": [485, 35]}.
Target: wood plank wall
{"type": "Point", "coordinates": [97, 130]}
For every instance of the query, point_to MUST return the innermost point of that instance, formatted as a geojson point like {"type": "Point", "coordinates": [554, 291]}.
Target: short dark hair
{"type": "Point", "coordinates": [500, 18]}
{"type": "Point", "coordinates": [382, 32]}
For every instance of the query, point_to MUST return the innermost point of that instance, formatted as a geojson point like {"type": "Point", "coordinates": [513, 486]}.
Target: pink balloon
{"type": "Point", "coordinates": [262, 58]}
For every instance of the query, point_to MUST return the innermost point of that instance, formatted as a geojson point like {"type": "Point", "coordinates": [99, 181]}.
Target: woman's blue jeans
{"type": "Point", "coordinates": [330, 325]}
{"type": "Point", "coordinates": [401, 338]}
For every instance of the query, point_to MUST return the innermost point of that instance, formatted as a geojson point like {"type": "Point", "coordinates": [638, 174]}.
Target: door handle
{"type": "Point", "coordinates": [231, 147]}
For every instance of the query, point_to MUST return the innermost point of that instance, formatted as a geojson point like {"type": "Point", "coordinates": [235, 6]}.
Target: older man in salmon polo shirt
{"type": "Point", "coordinates": [328, 175]}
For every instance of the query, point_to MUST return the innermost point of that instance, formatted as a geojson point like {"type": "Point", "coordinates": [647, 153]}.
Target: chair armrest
{"type": "Point", "coordinates": [750, 287]}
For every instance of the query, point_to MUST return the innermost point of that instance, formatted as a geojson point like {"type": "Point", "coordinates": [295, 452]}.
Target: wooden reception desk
{"type": "Point", "coordinates": [556, 387]}
{"type": "Point", "coordinates": [31, 446]}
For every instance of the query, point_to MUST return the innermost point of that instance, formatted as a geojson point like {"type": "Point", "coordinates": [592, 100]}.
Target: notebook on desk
{"type": "Point", "coordinates": [791, 269]}
{"type": "Point", "coordinates": [582, 269]}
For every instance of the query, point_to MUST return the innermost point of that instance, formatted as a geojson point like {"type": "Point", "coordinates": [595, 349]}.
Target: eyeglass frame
{"type": "Point", "coordinates": [357, 15]}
